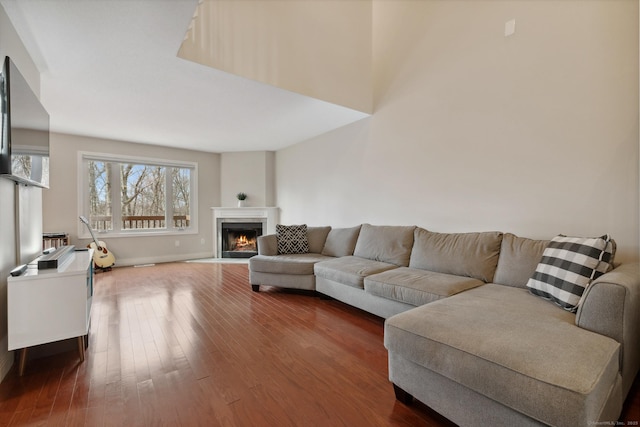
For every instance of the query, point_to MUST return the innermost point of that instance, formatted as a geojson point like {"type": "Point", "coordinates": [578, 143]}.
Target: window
{"type": "Point", "coordinates": [123, 195]}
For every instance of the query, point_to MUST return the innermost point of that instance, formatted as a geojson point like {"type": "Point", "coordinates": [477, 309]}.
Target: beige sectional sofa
{"type": "Point", "coordinates": [464, 334]}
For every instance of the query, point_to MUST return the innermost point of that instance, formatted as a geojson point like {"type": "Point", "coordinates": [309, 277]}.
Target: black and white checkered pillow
{"type": "Point", "coordinates": [568, 266]}
{"type": "Point", "coordinates": [292, 239]}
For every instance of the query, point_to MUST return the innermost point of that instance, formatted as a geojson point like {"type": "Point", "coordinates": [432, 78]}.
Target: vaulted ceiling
{"type": "Point", "coordinates": [215, 75]}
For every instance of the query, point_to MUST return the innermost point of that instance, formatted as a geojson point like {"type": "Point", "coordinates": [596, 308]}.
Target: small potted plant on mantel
{"type": "Point", "coordinates": [241, 199]}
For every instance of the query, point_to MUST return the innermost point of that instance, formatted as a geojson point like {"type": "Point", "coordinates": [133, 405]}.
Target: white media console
{"type": "Point", "coordinates": [51, 304]}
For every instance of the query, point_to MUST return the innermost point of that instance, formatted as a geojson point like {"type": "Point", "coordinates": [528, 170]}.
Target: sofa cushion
{"type": "Point", "coordinates": [292, 239]}
{"type": "Point", "coordinates": [463, 254]}
{"type": "Point", "coordinates": [286, 264]}
{"type": "Point", "coordinates": [568, 266]}
{"type": "Point", "coordinates": [317, 237]}
{"type": "Point", "coordinates": [350, 270]}
{"type": "Point", "coordinates": [416, 287]}
{"type": "Point", "coordinates": [518, 259]}
{"type": "Point", "coordinates": [386, 243]}
{"type": "Point", "coordinates": [341, 241]}
{"type": "Point", "coordinates": [512, 347]}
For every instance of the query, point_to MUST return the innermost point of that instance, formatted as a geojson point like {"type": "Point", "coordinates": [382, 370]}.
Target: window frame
{"type": "Point", "coordinates": [83, 195]}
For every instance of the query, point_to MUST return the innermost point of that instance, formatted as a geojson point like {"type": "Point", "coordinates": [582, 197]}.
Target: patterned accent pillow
{"type": "Point", "coordinates": [292, 239]}
{"type": "Point", "coordinates": [568, 266]}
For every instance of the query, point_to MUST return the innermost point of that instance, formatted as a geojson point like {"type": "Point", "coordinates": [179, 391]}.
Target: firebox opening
{"type": "Point", "coordinates": [240, 240]}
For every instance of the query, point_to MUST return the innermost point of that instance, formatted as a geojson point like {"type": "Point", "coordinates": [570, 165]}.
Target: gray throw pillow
{"type": "Point", "coordinates": [317, 237]}
{"type": "Point", "coordinates": [341, 241]}
{"type": "Point", "coordinates": [462, 254]}
{"type": "Point", "coordinates": [387, 243]}
{"type": "Point", "coordinates": [519, 257]}
{"type": "Point", "coordinates": [292, 239]}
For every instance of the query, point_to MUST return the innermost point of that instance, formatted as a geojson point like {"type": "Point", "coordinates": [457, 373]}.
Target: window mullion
{"type": "Point", "coordinates": [116, 197]}
{"type": "Point", "coordinates": [84, 193]}
{"type": "Point", "coordinates": [168, 200]}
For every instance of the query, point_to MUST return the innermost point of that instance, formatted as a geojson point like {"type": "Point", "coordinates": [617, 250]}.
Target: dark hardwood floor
{"type": "Point", "coordinates": [190, 344]}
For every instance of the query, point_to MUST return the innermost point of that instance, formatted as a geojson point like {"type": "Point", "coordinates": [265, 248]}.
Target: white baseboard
{"type": "Point", "coordinates": [168, 258]}
{"type": "Point", "coordinates": [6, 358]}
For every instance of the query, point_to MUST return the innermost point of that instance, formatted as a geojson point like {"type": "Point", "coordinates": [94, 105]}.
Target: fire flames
{"type": "Point", "coordinates": [243, 243]}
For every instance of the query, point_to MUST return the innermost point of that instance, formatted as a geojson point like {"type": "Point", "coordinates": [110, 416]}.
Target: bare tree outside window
{"type": "Point", "coordinates": [143, 196]}
{"type": "Point", "coordinates": [181, 180]}
{"type": "Point", "coordinates": [100, 213]}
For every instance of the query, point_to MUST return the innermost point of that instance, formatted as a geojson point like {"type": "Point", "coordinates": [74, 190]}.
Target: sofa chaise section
{"type": "Point", "coordinates": [513, 348]}
{"type": "Point", "coordinates": [498, 355]}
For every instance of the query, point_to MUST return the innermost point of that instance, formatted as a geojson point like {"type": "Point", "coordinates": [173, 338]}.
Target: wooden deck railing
{"type": "Point", "coordinates": [131, 222]}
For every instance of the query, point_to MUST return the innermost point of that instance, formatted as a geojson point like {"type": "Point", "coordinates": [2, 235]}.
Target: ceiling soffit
{"type": "Point", "coordinates": [320, 49]}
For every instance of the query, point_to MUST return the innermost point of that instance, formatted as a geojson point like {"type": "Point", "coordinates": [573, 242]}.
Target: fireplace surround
{"type": "Point", "coordinates": [235, 230]}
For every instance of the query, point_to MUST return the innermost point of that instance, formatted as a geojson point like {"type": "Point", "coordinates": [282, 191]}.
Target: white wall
{"type": "Point", "coordinates": [12, 252]}
{"type": "Point", "coordinates": [60, 201]}
{"type": "Point", "coordinates": [535, 134]}
{"type": "Point", "coordinates": [250, 172]}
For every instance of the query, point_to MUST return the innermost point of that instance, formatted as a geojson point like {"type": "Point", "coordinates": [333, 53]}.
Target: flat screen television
{"type": "Point", "coordinates": [24, 153]}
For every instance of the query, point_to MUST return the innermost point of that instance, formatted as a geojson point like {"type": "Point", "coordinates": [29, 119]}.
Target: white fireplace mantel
{"type": "Point", "coordinates": [248, 214]}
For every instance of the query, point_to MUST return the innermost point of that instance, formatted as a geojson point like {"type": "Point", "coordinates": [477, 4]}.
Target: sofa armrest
{"type": "Point", "coordinates": [611, 307]}
{"type": "Point", "coordinates": [268, 245]}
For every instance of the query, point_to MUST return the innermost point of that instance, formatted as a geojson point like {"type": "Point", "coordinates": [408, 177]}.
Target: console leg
{"type": "Point", "coordinates": [22, 361]}
{"type": "Point", "coordinates": [402, 395]}
{"type": "Point", "coordinates": [255, 288]}
{"type": "Point", "coordinates": [81, 347]}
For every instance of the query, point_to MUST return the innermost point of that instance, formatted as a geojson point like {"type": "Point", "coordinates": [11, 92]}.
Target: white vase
{"type": "Point", "coordinates": [241, 203]}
